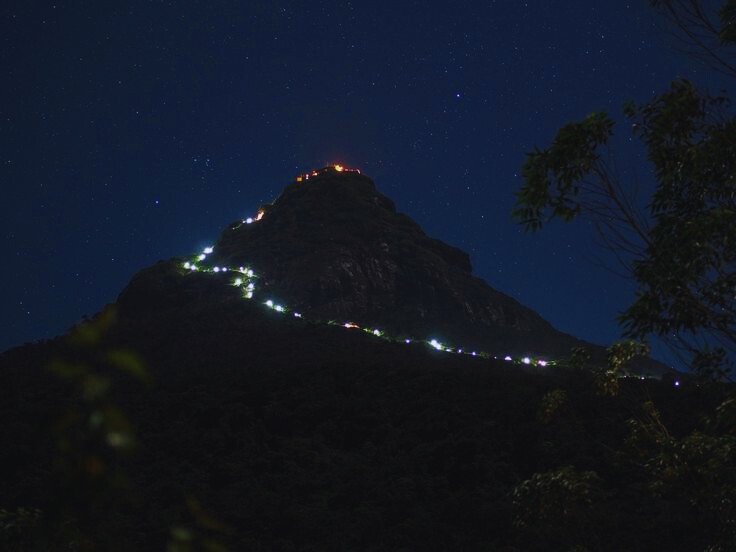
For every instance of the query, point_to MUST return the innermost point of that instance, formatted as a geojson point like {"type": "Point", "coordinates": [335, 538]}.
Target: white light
{"type": "Point", "coordinates": [677, 384]}
{"type": "Point", "coordinates": [249, 221]}
{"type": "Point", "coordinates": [248, 290]}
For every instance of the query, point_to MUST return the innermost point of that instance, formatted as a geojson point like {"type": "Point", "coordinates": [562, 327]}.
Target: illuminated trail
{"type": "Point", "coordinates": [245, 279]}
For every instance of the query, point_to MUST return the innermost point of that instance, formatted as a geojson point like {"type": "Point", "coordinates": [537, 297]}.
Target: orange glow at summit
{"type": "Point", "coordinates": [330, 168]}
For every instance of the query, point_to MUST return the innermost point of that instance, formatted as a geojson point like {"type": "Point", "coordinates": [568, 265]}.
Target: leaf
{"type": "Point", "coordinates": [129, 362]}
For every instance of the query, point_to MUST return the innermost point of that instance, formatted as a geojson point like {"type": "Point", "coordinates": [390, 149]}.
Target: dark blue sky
{"type": "Point", "coordinates": [135, 131]}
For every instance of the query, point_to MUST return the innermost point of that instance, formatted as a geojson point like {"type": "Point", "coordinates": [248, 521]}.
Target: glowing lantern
{"type": "Point", "coordinates": [297, 315]}
{"type": "Point", "coordinates": [249, 221]}
{"type": "Point", "coordinates": [473, 353]}
{"type": "Point", "coordinates": [407, 341]}
{"type": "Point", "coordinates": [339, 168]}
{"type": "Point", "coordinates": [193, 267]}
{"type": "Point", "coordinates": [299, 178]}
{"type": "Point", "coordinates": [187, 265]}
{"type": "Point", "coordinates": [249, 273]}
{"type": "Point", "coordinates": [377, 333]}
{"type": "Point", "coordinates": [208, 250]}
{"type": "Point", "coordinates": [249, 295]}
{"type": "Point", "coordinates": [507, 358]}
{"type": "Point", "coordinates": [224, 269]}
{"type": "Point", "coordinates": [202, 257]}
{"type": "Point", "coordinates": [260, 214]}
{"type": "Point", "coordinates": [542, 363]}
{"type": "Point", "coordinates": [436, 344]}
{"type": "Point", "coordinates": [216, 269]}
{"type": "Point", "coordinates": [269, 303]}
{"type": "Point", "coordinates": [350, 325]}
{"type": "Point", "coordinates": [238, 281]}
{"type": "Point", "coordinates": [278, 308]}
{"type": "Point", "coordinates": [677, 384]}
{"type": "Point", "coordinates": [526, 360]}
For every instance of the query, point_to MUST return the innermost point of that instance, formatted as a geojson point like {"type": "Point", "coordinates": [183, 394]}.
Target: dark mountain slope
{"type": "Point", "coordinates": [303, 436]}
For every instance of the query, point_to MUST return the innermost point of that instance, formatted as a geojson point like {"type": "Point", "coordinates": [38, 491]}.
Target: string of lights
{"type": "Point", "coordinates": [245, 279]}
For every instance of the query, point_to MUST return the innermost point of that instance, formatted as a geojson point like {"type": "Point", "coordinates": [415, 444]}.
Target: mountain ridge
{"type": "Point", "coordinates": [331, 245]}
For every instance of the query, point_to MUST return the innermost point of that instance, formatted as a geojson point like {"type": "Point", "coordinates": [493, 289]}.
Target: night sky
{"type": "Point", "coordinates": [135, 131]}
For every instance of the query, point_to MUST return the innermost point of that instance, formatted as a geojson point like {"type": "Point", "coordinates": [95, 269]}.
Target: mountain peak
{"type": "Point", "coordinates": [333, 247]}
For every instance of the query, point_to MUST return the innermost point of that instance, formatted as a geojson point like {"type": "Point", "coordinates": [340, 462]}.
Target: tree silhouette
{"type": "Point", "coordinates": [681, 248]}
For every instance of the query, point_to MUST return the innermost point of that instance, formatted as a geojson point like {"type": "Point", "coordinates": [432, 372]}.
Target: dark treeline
{"type": "Point", "coordinates": [248, 431]}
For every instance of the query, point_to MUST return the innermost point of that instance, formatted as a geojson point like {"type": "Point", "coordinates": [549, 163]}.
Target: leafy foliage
{"type": "Point", "coordinates": [688, 275]}
{"type": "Point", "coordinates": [681, 252]}
{"type": "Point", "coordinates": [698, 469]}
{"type": "Point", "coordinates": [684, 263]}
{"type": "Point", "coordinates": [561, 502]}
{"type": "Point", "coordinates": [551, 404]}
{"type": "Point", "coordinates": [553, 177]}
